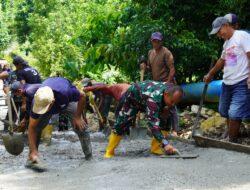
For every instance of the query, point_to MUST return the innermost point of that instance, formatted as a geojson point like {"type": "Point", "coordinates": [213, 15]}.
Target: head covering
{"type": "Point", "coordinates": [19, 60]}
{"type": "Point", "coordinates": [232, 18]}
{"type": "Point", "coordinates": [86, 82]}
{"type": "Point", "coordinates": [217, 24]}
{"type": "Point", "coordinates": [44, 96]}
{"type": "Point", "coordinates": [156, 36]}
{"type": "Point", "coordinates": [15, 86]}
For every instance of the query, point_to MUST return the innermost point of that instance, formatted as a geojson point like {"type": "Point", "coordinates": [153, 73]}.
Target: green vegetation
{"type": "Point", "coordinates": [104, 39]}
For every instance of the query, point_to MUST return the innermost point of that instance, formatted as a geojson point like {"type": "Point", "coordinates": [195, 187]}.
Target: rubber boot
{"type": "Point", "coordinates": [156, 146]}
{"type": "Point", "coordinates": [114, 140]}
{"type": "Point", "coordinates": [84, 138]}
{"type": "Point", "coordinates": [47, 134]}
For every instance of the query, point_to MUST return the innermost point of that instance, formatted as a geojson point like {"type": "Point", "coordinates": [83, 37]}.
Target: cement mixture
{"type": "Point", "coordinates": [132, 168]}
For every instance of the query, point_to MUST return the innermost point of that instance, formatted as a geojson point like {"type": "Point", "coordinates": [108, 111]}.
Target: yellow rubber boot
{"type": "Point", "coordinates": [114, 140]}
{"type": "Point", "coordinates": [156, 146]}
{"type": "Point", "coordinates": [47, 134]}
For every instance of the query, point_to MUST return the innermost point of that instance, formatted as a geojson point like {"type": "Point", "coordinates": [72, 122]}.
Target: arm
{"type": "Point", "coordinates": [20, 77]}
{"type": "Point", "coordinates": [153, 114]}
{"type": "Point", "coordinates": [244, 42]}
{"type": "Point", "coordinates": [6, 89]}
{"type": "Point", "coordinates": [80, 104]}
{"type": "Point", "coordinates": [217, 67]}
{"type": "Point", "coordinates": [170, 64]}
{"type": "Point", "coordinates": [25, 119]}
{"type": "Point", "coordinates": [116, 90]}
{"type": "Point", "coordinates": [33, 138]}
{"type": "Point", "coordinates": [145, 64]}
{"type": "Point", "coordinates": [248, 80]}
{"type": "Point", "coordinates": [23, 82]}
{"type": "Point", "coordinates": [4, 75]}
{"type": "Point", "coordinates": [78, 119]}
{"type": "Point", "coordinates": [103, 88]}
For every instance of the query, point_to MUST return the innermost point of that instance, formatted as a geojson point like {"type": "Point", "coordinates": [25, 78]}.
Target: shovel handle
{"type": "Point", "coordinates": [142, 72]}
{"type": "Point", "coordinates": [10, 113]}
{"type": "Point", "coordinates": [141, 79]}
{"type": "Point", "coordinates": [92, 101]}
{"type": "Point", "coordinates": [16, 112]}
{"type": "Point", "coordinates": [195, 126]}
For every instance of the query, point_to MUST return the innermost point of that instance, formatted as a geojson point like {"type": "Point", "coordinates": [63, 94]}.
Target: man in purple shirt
{"type": "Point", "coordinates": [54, 95]}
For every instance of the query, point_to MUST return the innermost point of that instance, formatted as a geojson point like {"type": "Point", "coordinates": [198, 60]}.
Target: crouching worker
{"type": "Point", "coordinates": [115, 91]}
{"type": "Point", "coordinates": [152, 98]}
{"type": "Point", "coordinates": [54, 95]}
{"type": "Point", "coordinates": [118, 91]}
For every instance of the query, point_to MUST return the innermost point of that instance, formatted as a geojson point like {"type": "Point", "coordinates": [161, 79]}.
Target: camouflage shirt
{"type": "Point", "coordinates": [147, 96]}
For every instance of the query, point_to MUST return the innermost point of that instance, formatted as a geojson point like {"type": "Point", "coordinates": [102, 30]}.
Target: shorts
{"type": "Point", "coordinates": [235, 101]}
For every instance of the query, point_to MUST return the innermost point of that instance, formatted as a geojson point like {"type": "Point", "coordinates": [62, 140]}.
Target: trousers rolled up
{"type": "Point", "coordinates": [69, 112]}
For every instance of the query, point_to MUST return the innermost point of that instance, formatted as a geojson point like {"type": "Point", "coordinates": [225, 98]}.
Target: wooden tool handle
{"type": "Point", "coordinates": [195, 126]}
{"type": "Point", "coordinates": [10, 113]}
{"type": "Point", "coordinates": [92, 101]}
{"type": "Point", "coordinates": [142, 74]}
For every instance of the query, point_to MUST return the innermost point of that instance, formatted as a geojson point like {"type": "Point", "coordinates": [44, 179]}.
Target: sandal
{"type": "Point", "coordinates": [36, 165]}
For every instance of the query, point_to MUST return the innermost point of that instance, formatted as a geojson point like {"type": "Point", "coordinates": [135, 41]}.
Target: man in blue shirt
{"type": "Point", "coordinates": [53, 96]}
{"type": "Point", "coordinates": [8, 78]}
{"type": "Point", "coordinates": [25, 73]}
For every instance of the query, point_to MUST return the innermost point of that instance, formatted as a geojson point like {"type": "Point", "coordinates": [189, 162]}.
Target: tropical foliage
{"type": "Point", "coordinates": [103, 39]}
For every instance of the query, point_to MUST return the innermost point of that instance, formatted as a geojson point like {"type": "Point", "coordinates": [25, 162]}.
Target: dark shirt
{"type": "Point", "coordinates": [12, 77]}
{"type": "Point", "coordinates": [29, 74]}
{"type": "Point", "coordinates": [29, 91]}
{"type": "Point", "coordinates": [64, 93]}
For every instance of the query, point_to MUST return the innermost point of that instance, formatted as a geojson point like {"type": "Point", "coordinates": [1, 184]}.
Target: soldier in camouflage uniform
{"type": "Point", "coordinates": [152, 98]}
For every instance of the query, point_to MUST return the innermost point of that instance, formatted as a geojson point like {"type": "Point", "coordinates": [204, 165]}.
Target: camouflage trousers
{"type": "Point", "coordinates": [126, 115]}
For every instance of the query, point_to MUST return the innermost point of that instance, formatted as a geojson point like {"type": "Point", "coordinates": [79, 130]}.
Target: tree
{"type": "Point", "coordinates": [88, 38]}
{"type": "Point", "coordinates": [24, 12]}
{"type": "Point", "coordinates": [5, 36]}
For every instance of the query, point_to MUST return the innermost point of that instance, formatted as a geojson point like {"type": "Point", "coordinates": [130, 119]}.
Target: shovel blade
{"type": "Point", "coordinates": [13, 143]}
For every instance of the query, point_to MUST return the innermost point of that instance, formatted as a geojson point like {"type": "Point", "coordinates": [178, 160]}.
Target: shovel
{"type": "Point", "coordinates": [137, 131]}
{"type": "Point", "coordinates": [195, 131]}
{"type": "Point", "coordinates": [107, 130]}
{"type": "Point", "coordinates": [13, 142]}
{"type": "Point", "coordinates": [96, 109]}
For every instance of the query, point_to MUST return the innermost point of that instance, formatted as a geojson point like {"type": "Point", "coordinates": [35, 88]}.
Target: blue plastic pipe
{"type": "Point", "coordinates": [194, 91]}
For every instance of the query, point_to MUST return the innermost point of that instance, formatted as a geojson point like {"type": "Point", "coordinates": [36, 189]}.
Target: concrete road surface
{"type": "Point", "coordinates": [133, 168]}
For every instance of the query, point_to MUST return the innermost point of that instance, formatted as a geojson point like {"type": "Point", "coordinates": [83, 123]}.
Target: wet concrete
{"type": "Point", "coordinates": [132, 168]}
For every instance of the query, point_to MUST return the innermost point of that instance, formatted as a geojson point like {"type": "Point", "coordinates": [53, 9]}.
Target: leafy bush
{"type": "Point", "coordinates": [103, 39]}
